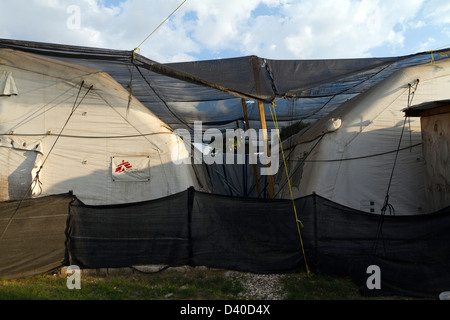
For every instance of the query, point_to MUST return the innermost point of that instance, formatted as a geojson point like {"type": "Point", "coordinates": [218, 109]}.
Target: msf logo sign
{"type": "Point", "coordinates": [123, 166]}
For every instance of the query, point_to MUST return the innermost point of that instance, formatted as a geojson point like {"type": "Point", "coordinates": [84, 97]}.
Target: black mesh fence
{"type": "Point", "coordinates": [254, 235]}
{"type": "Point", "coordinates": [33, 235]}
{"type": "Point", "coordinates": [153, 232]}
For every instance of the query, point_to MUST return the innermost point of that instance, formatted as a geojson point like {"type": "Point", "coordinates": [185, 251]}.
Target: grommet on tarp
{"type": "Point", "coordinates": [333, 125]}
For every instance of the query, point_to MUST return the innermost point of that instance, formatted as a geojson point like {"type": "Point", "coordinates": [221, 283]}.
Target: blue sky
{"type": "Point", "coordinates": [211, 29]}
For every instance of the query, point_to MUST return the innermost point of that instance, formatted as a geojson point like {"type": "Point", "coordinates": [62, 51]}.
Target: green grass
{"type": "Point", "coordinates": [319, 287]}
{"type": "Point", "coordinates": [188, 284]}
{"type": "Point", "coordinates": [156, 286]}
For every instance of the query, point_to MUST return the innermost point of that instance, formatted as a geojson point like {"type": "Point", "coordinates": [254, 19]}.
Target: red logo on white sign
{"type": "Point", "coordinates": [123, 166]}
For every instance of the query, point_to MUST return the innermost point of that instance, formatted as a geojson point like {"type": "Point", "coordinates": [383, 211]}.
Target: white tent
{"type": "Point", "coordinates": [366, 154]}
{"type": "Point", "coordinates": [89, 134]}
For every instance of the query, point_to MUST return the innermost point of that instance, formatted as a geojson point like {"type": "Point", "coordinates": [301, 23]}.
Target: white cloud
{"type": "Point", "coordinates": [327, 28]}
{"type": "Point", "coordinates": [278, 29]}
{"type": "Point", "coordinates": [429, 43]}
{"type": "Point", "coordinates": [437, 11]}
{"type": "Point", "coordinates": [219, 23]}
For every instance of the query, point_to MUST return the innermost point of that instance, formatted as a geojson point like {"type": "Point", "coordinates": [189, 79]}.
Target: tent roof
{"type": "Point", "coordinates": [211, 91]}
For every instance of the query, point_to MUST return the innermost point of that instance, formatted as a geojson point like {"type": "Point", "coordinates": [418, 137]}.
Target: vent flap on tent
{"type": "Point", "coordinates": [7, 84]}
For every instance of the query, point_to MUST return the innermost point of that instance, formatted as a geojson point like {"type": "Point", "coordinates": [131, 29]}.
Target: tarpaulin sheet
{"type": "Point", "coordinates": [33, 235]}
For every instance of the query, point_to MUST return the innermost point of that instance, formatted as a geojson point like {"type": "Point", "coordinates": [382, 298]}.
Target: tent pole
{"type": "Point", "coordinates": [256, 73]}
{"type": "Point", "coordinates": [262, 118]}
{"type": "Point", "coordinates": [247, 126]}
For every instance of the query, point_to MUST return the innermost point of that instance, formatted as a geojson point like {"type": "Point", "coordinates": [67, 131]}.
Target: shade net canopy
{"type": "Point", "coordinates": [212, 91]}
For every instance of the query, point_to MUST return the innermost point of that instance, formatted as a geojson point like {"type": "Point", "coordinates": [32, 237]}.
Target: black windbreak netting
{"type": "Point", "coordinates": [200, 229]}
{"type": "Point", "coordinates": [411, 251]}
{"type": "Point", "coordinates": [33, 235]}
{"type": "Point", "coordinates": [211, 91]}
{"type": "Point", "coordinates": [154, 232]}
{"type": "Point", "coordinates": [244, 234]}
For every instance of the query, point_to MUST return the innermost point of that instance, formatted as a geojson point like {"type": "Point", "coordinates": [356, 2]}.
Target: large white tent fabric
{"type": "Point", "coordinates": [352, 163]}
{"type": "Point", "coordinates": [65, 126]}
{"type": "Point", "coordinates": [303, 90]}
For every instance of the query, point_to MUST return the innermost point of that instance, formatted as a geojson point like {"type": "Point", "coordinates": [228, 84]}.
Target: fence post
{"type": "Point", "coordinates": [316, 240]}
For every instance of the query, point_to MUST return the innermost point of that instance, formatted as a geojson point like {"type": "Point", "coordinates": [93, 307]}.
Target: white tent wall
{"type": "Point", "coordinates": [353, 165]}
{"type": "Point", "coordinates": [106, 124]}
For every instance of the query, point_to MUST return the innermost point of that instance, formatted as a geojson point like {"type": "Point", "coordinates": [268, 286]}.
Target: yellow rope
{"type": "Point", "coordinates": [299, 223]}
{"type": "Point", "coordinates": [137, 48]}
{"type": "Point", "coordinates": [433, 50]}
